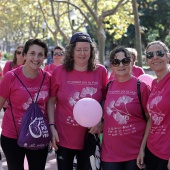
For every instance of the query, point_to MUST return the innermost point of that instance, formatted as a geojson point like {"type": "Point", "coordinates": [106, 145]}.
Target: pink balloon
{"type": "Point", "coordinates": [146, 78]}
{"type": "Point", "coordinates": [87, 112]}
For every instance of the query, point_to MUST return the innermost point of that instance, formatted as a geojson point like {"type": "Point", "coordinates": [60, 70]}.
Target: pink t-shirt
{"type": "Point", "coordinates": [50, 68]}
{"type": "Point", "coordinates": [9, 67]}
{"type": "Point", "coordinates": [124, 125]}
{"type": "Point", "coordinates": [11, 87]}
{"type": "Point", "coordinates": [69, 87]}
{"type": "Point", "coordinates": [136, 71]}
{"type": "Point", "coordinates": [159, 109]}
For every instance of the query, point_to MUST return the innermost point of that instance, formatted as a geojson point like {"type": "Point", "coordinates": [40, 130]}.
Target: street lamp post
{"type": "Point", "coordinates": [73, 17]}
{"type": "Point", "coordinates": [43, 28]}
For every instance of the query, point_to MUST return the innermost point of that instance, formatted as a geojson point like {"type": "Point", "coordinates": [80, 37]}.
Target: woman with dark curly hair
{"type": "Point", "coordinates": [79, 77]}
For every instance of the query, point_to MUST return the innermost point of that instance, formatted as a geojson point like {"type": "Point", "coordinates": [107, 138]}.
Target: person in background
{"type": "Point", "coordinates": [155, 148]}
{"type": "Point", "coordinates": [58, 55]}
{"type": "Point", "coordinates": [17, 61]}
{"type": "Point", "coordinates": [0, 55]}
{"type": "Point", "coordinates": [79, 76]}
{"type": "Point", "coordinates": [0, 73]}
{"type": "Point", "coordinates": [136, 70]}
{"type": "Point", "coordinates": [124, 124]}
{"type": "Point", "coordinates": [34, 53]}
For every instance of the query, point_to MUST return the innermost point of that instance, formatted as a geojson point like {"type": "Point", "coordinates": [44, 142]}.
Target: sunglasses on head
{"type": "Point", "coordinates": [18, 52]}
{"type": "Point", "coordinates": [58, 54]}
{"type": "Point", "coordinates": [159, 53]}
{"type": "Point", "coordinates": [116, 62]}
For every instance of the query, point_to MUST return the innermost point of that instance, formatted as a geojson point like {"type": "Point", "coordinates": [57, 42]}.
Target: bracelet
{"type": "Point", "coordinates": [51, 124]}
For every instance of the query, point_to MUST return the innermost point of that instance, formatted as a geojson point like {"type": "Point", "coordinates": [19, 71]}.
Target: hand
{"type": "Point", "coordinates": [95, 129]}
{"type": "Point", "coordinates": [55, 137]}
{"type": "Point", "coordinates": [168, 166]}
{"type": "Point", "coordinates": [140, 159]}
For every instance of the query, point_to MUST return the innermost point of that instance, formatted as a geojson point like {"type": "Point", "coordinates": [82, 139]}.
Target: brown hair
{"type": "Point", "coordinates": [68, 61]}
{"type": "Point", "coordinates": [117, 50]}
{"type": "Point", "coordinates": [159, 43]}
{"type": "Point", "coordinates": [14, 61]}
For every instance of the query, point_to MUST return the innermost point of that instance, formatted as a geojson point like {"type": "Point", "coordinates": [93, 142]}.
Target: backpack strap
{"type": "Point", "coordinates": [108, 85]}
{"type": "Point", "coordinates": [30, 96]}
{"type": "Point", "coordinates": [28, 90]}
{"type": "Point", "coordinates": [40, 86]}
{"type": "Point", "coordinates": [140, 100]}
{"type": "Point", "coordinates": [13, 116]}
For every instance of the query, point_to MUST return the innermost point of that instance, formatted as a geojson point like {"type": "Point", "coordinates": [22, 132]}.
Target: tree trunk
{"type": "Point", "coordinates": [101, 37]}
{"type": "Point", "coordinates": [137, 33]}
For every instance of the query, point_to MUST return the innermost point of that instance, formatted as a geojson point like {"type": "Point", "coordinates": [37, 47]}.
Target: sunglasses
{"type": "Point", "coordinates": [18, 52]}
{"type": "Point", "coordinates": [116, 62]}
{"type": "Point", "coordinates": [159, 53]}
{"type": "Point", "coordinates": [58, 54]}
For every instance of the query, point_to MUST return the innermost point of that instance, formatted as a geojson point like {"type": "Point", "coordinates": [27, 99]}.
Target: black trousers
{"type": "Point", "coordinates": [126, 165]}
{"type": "Point", "coordinates": [66, 156]}
{"type": "Point", "coordinates": [153, 162]}
{"type": "Point", "coordinates": [15, 155]}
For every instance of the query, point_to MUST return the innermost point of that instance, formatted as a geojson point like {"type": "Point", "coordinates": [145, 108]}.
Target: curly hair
{"type": "Point", "coordinates": [117, 50]}
{"type": "Point", "coordinates": [68, 61]}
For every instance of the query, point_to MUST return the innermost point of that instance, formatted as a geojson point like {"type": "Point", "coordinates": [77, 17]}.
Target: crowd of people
{"type": "Point", "coordinates": [129, 141]}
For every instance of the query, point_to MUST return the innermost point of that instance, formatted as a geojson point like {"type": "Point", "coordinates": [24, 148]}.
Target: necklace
{"type": "Point", "coordinates": [28, 75]}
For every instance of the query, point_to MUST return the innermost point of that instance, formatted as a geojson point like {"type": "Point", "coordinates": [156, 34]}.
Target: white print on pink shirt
{"type": "Point", "coordinates": [88, 91]}
{"type": "Point", "coordinates": [124, 130]}
{"type": "Point", "coordinates": [42, 95]}
{"type": "Point", "coordinates": [119, 115]}
{"type": "Point", "coordinates": [85, 92]}
{"type": "Point", "coordinates": [157, 116]}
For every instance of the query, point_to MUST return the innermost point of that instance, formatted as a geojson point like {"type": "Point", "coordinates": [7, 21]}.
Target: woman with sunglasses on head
{"type": "Point", "coordinates": [58, 55]}
{"type": "Point", "coordinates": [124, 124]}
{"type": "Point", "coordinates": [80, 76]}
{"type": "Point", "coordinates": [155, 148]}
